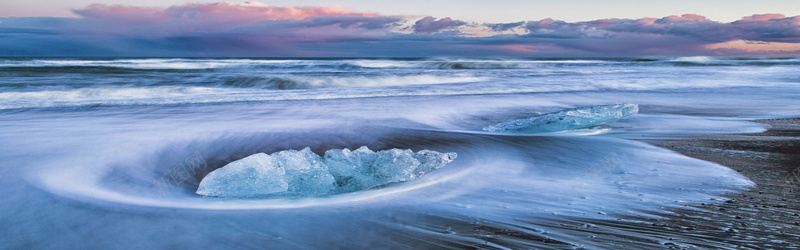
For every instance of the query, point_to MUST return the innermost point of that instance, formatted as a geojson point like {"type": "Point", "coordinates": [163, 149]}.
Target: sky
{"type": "Point", "coordinates": [410, 28]}
{"type": "Point", "coordinates": [472, 10]}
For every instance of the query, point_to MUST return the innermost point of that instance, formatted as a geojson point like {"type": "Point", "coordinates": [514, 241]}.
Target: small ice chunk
{"type": "Point", "coordinates": [566, 119]}
{"type": "Point", "coordinates": [255, 175]}
{"type": "Point", "coordinates": [432, 160]}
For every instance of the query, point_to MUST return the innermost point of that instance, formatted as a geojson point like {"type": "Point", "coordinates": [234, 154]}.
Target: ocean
{"type": "Point", "coordinates": [108, 152]}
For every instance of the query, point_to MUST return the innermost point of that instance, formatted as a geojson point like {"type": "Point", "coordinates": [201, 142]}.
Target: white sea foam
{"type": "Point", "coordinates": [695, 59]}
{"type": "Point", "coordinates": [107, 96]}
{"type": "Point", "coordinates": [304, 82]}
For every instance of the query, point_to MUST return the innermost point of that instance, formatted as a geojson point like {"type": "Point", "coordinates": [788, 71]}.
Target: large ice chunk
{"type": "Point", "coordinates": [394, 165]}
{"type": "Point", "coordinates": [566, 119]}
{"type": "Point", "coordinates": [304, 173]}
{"type": "Point", "coordinates": [351, 168]}
{"type": "Point", "coordinates": [363, 168]}
{"type": "Point", "coordinates": [255, 175]}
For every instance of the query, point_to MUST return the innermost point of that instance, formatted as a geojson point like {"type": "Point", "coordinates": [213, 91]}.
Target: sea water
{"type": "Point", "coordinates": [109, 152]}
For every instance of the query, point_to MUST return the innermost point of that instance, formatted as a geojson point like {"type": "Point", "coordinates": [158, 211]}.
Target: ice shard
{"type": "Point", "coordinates": [255, 175]}
{"type": "Point", "coordinates": [566, 119]}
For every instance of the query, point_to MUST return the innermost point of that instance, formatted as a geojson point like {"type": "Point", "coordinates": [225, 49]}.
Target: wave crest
{"type": "Point", "coordinates": [313, 82]}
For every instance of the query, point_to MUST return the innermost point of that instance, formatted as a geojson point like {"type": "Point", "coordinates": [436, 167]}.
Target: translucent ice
{"type": "Point", "coordinates": [254, 175]}
{"type": "Point", "coordinates": [351, 168]}
{"type": "Point", "coordinates": [566, 119]}
{"type": "Point", "coordinates": [304, 173]}
{"type": "Point", "coordinates": [431, 160]}
{"type": "Point", "coordinates": [395, 165]}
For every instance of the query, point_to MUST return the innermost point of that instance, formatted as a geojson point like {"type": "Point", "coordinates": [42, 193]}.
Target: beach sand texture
{"type": "Point", "coordinates": [766, 216]}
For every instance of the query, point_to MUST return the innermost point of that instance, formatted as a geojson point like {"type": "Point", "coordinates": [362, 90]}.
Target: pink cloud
{"type": "Point", "coordinates": [686, 18]}
{"type": "Point", "coordinates": [763, 17]}
{"type": "Point", "coordinates": [219, 12]}
{"type": "Point", "coordinates": [255, 11]}
{"type": "Point", "coordinates": [429, 24]}
{"type": "Point", "coordinates": [751, 46]}
{"type": "Point", "coordinates": [769, 28]}
{"type": "Point", "coordinates": [256, 29]}
{"type": "Point", "coordinates": [546, 21]}
{"type": "Point", "coordinates": [122, 13]}
{"type": "Point", "coordinates": [647, 21]}
{"type": "Point", "coordinates": [688, 33]}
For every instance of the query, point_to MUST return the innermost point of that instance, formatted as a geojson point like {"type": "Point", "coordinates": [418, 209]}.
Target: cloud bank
{"type": "Point", "coordinates": [429, 24]}
{"type": "Point", "coordinates": [254, 29]}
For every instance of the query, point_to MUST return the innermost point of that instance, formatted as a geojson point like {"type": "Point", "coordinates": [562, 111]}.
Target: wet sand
{"type": "Point", "coordinates": [766, 216]}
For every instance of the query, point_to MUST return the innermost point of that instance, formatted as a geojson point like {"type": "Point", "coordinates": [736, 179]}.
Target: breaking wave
{"type": "Point", "coordinates": [43, 83]}
{"type": "Point", "coordinates": [312, 82]}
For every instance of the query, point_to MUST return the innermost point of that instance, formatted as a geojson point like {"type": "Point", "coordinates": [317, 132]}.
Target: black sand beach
{"type": "Point", "coordinates": [766, 216]}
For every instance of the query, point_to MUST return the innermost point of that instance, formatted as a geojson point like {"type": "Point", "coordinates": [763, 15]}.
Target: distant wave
{"type": "Point", "coordinates": [93, 97]}
{"type": "Point", "coordinates": [124, 65]}
{"type": "Point", "coordinates": [201, 64]}
{"type": "Point", "coordinates": [719, 61]}
{"type": "Point", "coordinates": [695, 59]}
{"type": "Point", "coordinates": [103, 96]}
{"type": "Point", "coordinates": [43, 83]}
{"type": "Point", "coordinates": [174, 64]}
{"type": "Point", "coordinates": [312, 82]}
{"type": "Point", "coordinates": [464, 64]}
{"type": "Point", "coordinates": [127, 63]}
{"type": "Point", "coordinates": [474, 64]}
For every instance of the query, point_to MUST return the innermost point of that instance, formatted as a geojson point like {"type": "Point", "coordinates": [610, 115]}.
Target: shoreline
{"type": "Point", "coordinates": [764, 216]}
